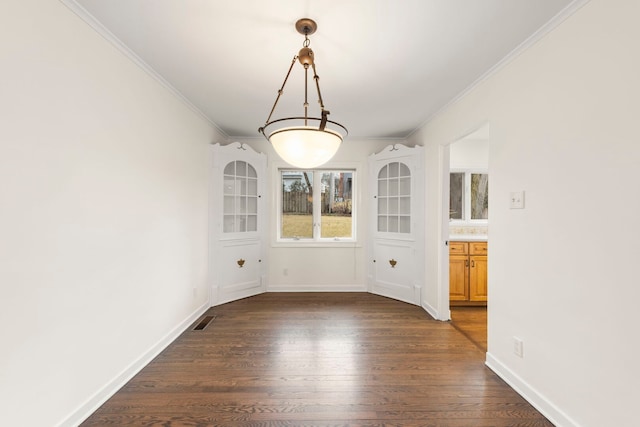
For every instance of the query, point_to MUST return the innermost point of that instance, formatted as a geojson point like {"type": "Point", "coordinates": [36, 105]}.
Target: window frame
{"type": "Point", "coordinates": [316, 240]}
{"type": "Point", "coordinates": [466, 203]}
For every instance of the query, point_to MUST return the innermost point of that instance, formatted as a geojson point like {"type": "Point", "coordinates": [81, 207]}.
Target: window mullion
{"type": "Point", "coordinates": [317, 204]}
{"type": "Point", "coordinates": [467, 197]}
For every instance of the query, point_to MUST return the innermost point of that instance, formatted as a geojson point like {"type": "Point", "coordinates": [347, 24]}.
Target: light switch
{"type": "Point", "coordinates": [516, 200]}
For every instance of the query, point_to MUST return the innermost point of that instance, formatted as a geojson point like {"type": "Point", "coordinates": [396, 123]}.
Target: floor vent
{"type": "Point", "coordinates": [204, 323]}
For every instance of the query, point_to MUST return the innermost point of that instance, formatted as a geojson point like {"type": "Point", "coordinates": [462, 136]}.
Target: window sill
{"type": "Point", "coordinates": [315, 244]}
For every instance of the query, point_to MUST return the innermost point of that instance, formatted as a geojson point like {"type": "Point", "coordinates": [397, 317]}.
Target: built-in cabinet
{"type": "Point", "coordinates": [396, 254]}
{"type": "Point", "coordinates": [237, 222]}
{"type": "Point", "coordinates": [468, 273]}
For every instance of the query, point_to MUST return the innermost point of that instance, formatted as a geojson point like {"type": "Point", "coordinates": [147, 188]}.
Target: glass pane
{"type": "Point", "coordinates": [230, 169]}
{"type": "Point", "coordinates": [393, 206]}
{"type": "Point", "coordinates": [252, 205]}
{"type": "Point", "coordinates": [336, 226]}
{"type": "Point", "coordinates": [383, 172]}
{"type": "Point", "coordinates": [479, 196]}
{"type": "Point", "coordinates": [297, 226]}
{"type": "Point", "coordinates": [252, 223]}
{"type": "Point", "coordinates": [336, 208]}
{"type": "Point", "coordinates": [393, 187]}
{"type": "Point", "coordinates": [242, 205]}
{"type": "Point", "coordinates": [382, 223]}
{"type": "Point", "coordinates": [405, 186]}
{"type": "Point", "coordinates": [405, 224]}
{"type": "Point", "coordinates": [382, 206]}
{"type": "Point", "coordinates": [228, 205]}
{"type": "Point", "coordinates": [241, 221]}
{"type": "Point", "coordinates": [229, 185]}
{"type": "Point", "coordinates": [241, 168]}
{"type": "Point", "coordinates": [393, 224]}
{"type": "Point", "coordinates": [251, 171]}
{"type": "Point", "coordinates": [241, 184]}
{"type": "Point", "coordinates": [456, 195]}
{"type": "Point", "coordinates": [404, 170]}
{"type": "Point", "coordinates": [405, 205]}
{"type": "Point", "coordinates": [228, 223]}
{"type": "Point", "coordinates": [297, 205]}
{"type": "Point", "coordinates": [382, 187]}
{"type": "Point", "coordinates": [252, 188]}
{"type": "Point", "coordinates": [394, 170]}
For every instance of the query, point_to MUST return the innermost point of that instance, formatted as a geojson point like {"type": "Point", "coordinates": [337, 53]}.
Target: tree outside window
{"type": "Point", "coordinates": [468, 196]}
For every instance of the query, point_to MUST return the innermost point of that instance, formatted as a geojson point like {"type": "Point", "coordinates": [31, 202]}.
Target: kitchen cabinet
{"type": "Point", "coordinates": [468, 273]}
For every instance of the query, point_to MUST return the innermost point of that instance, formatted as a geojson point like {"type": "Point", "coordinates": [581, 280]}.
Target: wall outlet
{"type": "Point", "coordinates": [518, 347]}
{"type": "Point", "coordinates": [516, 200]}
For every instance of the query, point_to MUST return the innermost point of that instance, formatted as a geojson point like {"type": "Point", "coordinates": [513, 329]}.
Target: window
{"type": "Point", "coordinates": [468, 196]}
{"type": "Point", "coordinates": [394, 198]}
{"type": "Point", "coordinates": [316, 205]}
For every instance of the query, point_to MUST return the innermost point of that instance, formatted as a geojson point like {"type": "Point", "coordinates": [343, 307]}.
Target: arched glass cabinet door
{"type": "Point", "coordinates": [240, 189]}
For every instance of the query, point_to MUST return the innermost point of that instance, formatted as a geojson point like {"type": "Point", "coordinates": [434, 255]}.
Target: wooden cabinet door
{"type": "Point", "coordinates": [458, 278]}
{"type": "Point", "coordinates": [478, 278]}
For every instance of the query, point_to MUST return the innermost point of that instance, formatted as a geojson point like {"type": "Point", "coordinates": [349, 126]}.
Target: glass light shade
{"type": "Point", "coordinates": [305, 147]}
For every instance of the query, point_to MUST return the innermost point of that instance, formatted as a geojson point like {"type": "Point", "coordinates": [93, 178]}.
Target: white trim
{"type": "Point", "coordinates": [551, 24]}
{"type": "Point", "coordinates": [317, 288]}
{"type": "Point", "coordinates": [444, 153]}
{"type": "Point", "coordinates": [431, 310]}
{"type": "Point", "coordinates": [109, 389]}
{"type": "Point", "coordinates": [83, 14]}
{"type": "Point", "coordinates": [530, 394]}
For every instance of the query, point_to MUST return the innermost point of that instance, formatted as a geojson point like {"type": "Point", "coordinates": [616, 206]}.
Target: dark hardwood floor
{"type": "Point", "coordinates": [472, 323]}
{"type": "Point", "coordinates": [318, 359]}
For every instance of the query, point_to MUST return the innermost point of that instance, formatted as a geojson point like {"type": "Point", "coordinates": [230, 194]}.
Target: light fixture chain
{"type": "Point", "coordinates": [306, 98]}
{"type": "Point", "coordinates": [317, 79]}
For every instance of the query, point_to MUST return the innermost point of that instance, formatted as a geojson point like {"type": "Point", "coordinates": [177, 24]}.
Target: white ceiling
{"type": "Point", "coordinates": [385, 66]}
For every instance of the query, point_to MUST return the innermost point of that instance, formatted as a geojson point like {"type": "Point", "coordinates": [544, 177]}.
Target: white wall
{"type": "Point", "coordinates": [103, 218]}
{"type": "Point", "coordinates": [469, 154]}
{"type": "Point", "coordinates": [562, 273]}
{"type": "Point", "coordinates": [341, 268]}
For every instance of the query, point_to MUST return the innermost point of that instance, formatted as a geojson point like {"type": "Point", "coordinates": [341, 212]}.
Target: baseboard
{"type": "Point", "coordinates": [109, 389]}
{"type": "Point", "coordinates": [316, 288]}
{"type": "Point", "coordinates": [531, 395]}
{"type": "Point", "coordinates": [433, 312]}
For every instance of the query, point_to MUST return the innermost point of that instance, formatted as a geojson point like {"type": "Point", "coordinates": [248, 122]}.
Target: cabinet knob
{"type": "Point", "coordinates": [240, 262]}
{"type": "Point", "coordinates": [393, 263]}
{"type": "Point", "coordinates": [473, 263]}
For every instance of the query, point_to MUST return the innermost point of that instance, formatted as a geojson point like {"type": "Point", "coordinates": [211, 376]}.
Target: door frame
{"type": "Point", "coordinates": [445, 168]}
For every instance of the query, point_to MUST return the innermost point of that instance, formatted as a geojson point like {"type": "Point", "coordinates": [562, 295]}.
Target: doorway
{"type": "Point", "coordinates": [465, 198]}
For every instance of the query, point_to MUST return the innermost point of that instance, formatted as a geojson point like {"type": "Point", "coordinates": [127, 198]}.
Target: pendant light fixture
{"type": "Point", "coordinates": [305, 142]}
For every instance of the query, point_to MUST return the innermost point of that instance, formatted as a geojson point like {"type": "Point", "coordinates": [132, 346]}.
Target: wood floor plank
{"type": "Point", "coordinates": [319, 359]}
